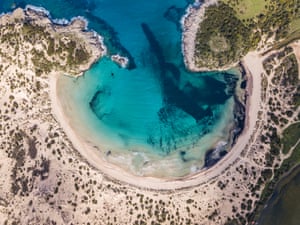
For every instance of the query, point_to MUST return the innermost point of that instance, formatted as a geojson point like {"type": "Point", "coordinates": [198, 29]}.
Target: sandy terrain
{"type": "Point", "coordinates": [296, 47]}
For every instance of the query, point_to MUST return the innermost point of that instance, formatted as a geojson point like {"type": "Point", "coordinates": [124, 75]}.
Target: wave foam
{"type": "Point", "coordinates": [62, 21]}
{"type": "Point", "coordinates": [38, 9]}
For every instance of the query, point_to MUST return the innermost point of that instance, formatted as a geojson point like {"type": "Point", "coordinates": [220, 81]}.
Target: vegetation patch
{"type": "Point", "coordinates": [222, 38]}
{"type": "Point", "coordinates": [285, 76]}
{"type": "Point", "coordinates": [218, 44]}
{"type": "Point", "coordinates": [49, 51]}
{"type": "Point", "coordinates": [241, 24]}
{"type": "Point", "coordinates": [248, 9]}
{"type": "Point", "coordinates": [295, 25]}
{"type": "Point", "coordinates": [290, 77]}
{"type": "Point", "coordinates": [291, 136]}
{"type": "Point", "coordinates": [286, 166]}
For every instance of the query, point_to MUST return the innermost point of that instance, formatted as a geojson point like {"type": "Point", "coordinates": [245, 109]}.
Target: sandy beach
{"type": "Point", "coordinates": [253, 65]}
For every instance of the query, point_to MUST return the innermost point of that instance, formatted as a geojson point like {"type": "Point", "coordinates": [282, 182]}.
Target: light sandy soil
{"type": "Point", "coordinates": [296, 47]}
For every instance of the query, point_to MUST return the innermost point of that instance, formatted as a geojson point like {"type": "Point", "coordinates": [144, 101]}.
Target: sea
{"type": "Point", "coordinates": [153, 118]}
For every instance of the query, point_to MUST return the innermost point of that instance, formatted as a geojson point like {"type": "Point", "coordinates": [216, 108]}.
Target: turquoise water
{"type": "Point", "coordinates": [154, 118]}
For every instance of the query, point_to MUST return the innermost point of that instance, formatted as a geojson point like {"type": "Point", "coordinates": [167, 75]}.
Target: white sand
{"type": "Point", "coordinates": [253, 64]}
{"type": "Point", "coordinates": [296, 47]}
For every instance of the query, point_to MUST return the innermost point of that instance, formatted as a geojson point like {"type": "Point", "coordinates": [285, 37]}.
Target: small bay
{"type": "Point", "coordinates": [153, 118]}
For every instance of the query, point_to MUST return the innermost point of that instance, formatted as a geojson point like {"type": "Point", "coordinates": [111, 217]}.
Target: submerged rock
{"type": "Point", "coordinates": [212, 156]}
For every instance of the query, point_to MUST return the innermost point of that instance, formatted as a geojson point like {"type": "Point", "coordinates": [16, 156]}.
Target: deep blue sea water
{"type": "Point", "coordinates": [155, 110]}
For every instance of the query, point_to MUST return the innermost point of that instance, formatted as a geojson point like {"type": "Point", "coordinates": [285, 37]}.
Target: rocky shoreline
{"type": "Point", "coordinates": [89, 41]}
{"type": "Point", "coordinates": [190, 25]}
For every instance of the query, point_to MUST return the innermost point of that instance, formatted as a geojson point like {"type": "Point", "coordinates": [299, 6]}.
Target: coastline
{"type": "Point", "coordinates": [251, 62]}
{"type": "Point", "coordinates": [75, 188]}
{"type": "Point", "coordinates": [192, 179]}
{"type": "Point", "coordinates": [111, 170]}
{"type": "Point", "coordinates": [215, 154]}
{"type": "Point", "coordinates": [46, 166]}
{"type": "Point", "coordinates": [190, 25]}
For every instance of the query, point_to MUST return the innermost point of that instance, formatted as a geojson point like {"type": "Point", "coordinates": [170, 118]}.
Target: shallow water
{"type": "Point", "coordinates": [284, 206]}
{"type": "Point", "coordinates": [155, 118]}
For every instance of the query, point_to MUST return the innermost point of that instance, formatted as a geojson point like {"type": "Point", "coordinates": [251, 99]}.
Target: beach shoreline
{"type": "Point", "coordinates": [252, 108]}
{"type": "Point", "coordinates": [250, 61]}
